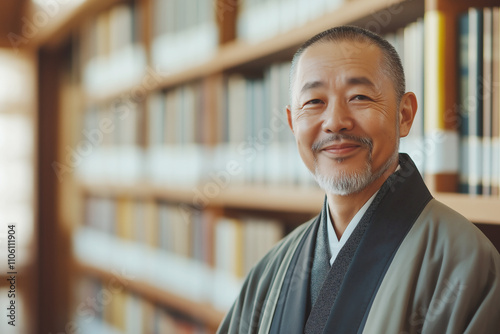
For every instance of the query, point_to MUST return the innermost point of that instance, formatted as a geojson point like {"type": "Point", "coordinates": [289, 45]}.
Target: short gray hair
{"type": "Point", "coordinates": [392, 61]}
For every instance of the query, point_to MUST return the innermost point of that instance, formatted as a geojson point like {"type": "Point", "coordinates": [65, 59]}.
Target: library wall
{"type": "Point", "coordinates": [172, 163]}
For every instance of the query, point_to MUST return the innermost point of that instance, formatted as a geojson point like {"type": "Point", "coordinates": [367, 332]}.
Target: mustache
{"type": "Point", "coordinates": [363, 141]}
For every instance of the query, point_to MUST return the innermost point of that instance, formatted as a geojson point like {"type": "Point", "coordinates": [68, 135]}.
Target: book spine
{"type": "Point", "coordinates": [475, 105]}
{"type": "Point", "coordinates": [487, 86]}
{"type": "Point", "coordinates": [495, 118]}
{"type": "Point", "coordinates": [440, 102]}
{"type": "Point", "coordinates": [463, 56]}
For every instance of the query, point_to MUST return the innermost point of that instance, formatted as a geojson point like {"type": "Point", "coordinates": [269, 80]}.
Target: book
{"type": "Point", "coordinates": [495, 118]}
{"type": "Point", "coordinates": [125, 218]}
{"type": "Point", "coordinates": [463, 57]}
{"type": "Point", "coordinates": [475, 101]}
{"type": "Point", "coordinates": [487, 97]}
{"type": "Point", "coordinates": [441, 111]}
{"type": "Point", "coordinates": [229, 246]}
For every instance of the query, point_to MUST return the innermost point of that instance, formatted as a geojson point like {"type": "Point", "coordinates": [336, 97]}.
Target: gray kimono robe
{"type": "Point", "coordinates": [412, 265]}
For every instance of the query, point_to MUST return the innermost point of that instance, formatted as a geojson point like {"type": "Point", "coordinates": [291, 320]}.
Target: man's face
{"type": "Point", "coordinates": [344, 114]}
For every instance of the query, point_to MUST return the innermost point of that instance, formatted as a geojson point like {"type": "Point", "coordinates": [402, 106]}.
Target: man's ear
{"type": "Point", "coordinates": [289, 117]}
{"type": "Point", "coordinates": [407, 110]}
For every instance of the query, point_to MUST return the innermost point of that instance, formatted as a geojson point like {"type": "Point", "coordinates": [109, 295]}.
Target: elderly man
{"type": "Point", "coordinates": [383, 256]}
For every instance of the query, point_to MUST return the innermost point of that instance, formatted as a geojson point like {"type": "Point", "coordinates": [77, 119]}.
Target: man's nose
{"type": "Point", "coordinates": [337, 118]}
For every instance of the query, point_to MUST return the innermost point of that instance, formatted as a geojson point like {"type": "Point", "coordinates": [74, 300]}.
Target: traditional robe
{"type": "Point", "coordinates": [412, 265]}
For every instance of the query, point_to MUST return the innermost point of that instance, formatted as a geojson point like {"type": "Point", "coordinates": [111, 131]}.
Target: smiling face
{"type": "Point", "coordinates": [345, 115]}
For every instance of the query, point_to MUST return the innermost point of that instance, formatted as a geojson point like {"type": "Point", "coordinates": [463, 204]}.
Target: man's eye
{"type": "Point", "coordinates": [361, 98]}
{"type": "Point", "coordinates": [314, 101]}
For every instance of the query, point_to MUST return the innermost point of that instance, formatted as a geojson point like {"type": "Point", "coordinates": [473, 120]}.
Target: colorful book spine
{"type": "Point", "coordinates": [441, 136]}
{"type": "Point", "coordinates": [475, 105]}
{"type": "Point", "coordinates": [479, 31]}
{"type": "Point", "coordinates": [463, 57]}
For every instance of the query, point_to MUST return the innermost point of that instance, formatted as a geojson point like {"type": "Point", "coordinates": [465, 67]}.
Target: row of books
{"type": "Point", "coordinates": [110, 145]}
{"type": "Point", "coordinates": [185, 33]}
{"type": "Point", "coordinates": [479, 73]}
{"type": "Point", "coordinates": [186, 231]}
{"type": "Point", "coordinates": [101, 309]}
{"type": "Point", "coordinates": [177, 116]}
{"type": "Point", "coordinates": [255, 130]}
{"type": "Point", "coordinates": [116, 124]}
{"type": "Point", "coordinates": [110, 50]}
{"type": "Point", "coordinates": [203, 256]}
{"type": "Point", "coordinates": [251, 131]}
{"type": "Point", "coordinates": [186, 147]}
{"type": "Point", "coordinates": [261, 19]}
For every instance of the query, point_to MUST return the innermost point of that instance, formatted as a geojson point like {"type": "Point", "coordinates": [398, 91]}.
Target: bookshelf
{"type": "Point", "coordinates": [204, 312]}
{"type": "Point", "coordinates": [483, 209]}
{"type": "Point", "coordinates": [179, 141]}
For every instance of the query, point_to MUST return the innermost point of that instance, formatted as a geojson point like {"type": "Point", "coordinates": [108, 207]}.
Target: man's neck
{"type": "Point", "coordinates": [344, 208]}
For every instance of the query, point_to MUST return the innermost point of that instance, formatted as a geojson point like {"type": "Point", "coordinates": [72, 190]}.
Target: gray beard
{"type": "Point", "coordinates": [347, 183]}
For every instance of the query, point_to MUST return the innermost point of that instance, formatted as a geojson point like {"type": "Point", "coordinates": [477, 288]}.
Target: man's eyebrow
{"type": "Point", "coordinates": [353, 81]}
{"type": "Point", "coordinates": [311, 85]}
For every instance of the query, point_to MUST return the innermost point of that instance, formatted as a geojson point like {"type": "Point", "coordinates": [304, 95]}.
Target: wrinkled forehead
{"type": "Point", "coordinates": [342, 58]}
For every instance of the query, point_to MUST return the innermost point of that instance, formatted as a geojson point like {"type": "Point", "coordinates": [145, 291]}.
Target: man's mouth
{"type": "Point", "coordinates": [342, 144]}
{"type": "Point", "coordinates": [341, 148]}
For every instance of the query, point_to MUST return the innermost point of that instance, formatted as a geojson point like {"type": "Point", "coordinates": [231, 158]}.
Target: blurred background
{"type": "Point", "coordinates": [146, 159]}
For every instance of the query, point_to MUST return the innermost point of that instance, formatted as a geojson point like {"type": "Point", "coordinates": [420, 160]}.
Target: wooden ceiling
{"type": "Point", "coordinates": [11, 13]}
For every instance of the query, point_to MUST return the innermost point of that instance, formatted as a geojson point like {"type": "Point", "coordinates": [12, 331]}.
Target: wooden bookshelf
{"type": "Point", "coordinates": [262, 197]}
{"type": "Point", "coordinates": [231, 56]}
{"type": "Point", "coordinates": [202, 312]}
{"type": "Point", "coordinates": [481, 209]}
{"type": "Point", "coordinates": [65, 17]}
